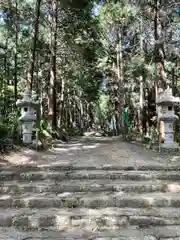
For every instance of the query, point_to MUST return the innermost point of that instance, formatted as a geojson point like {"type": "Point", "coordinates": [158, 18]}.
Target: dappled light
{"type": "Point", "coordinates": [175, 158]}
{"type": "Point", "coordinates": [74, 147]}
{"type": "Point", "coordinates": [174, 188]}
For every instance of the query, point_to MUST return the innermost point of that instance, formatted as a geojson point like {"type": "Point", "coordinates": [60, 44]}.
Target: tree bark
{"type": "Point", "coordinates": [35, 38]}
{"type": "Point", "coordinates": [53, 50]}
{"type": "Point", "coordinates": [120, 72]}
{"type": "Point", "coordinates": [141, 79]}
{"type": "Point", "coordinates": [16, 52]}
{"type": "Point", "coordinates": [159, 56]}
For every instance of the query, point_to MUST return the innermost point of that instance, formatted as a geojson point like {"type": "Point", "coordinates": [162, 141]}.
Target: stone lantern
{"type": "Point", "coordinates": [166, 101]}
{"type": "Point", "coordinates": [28, 115]}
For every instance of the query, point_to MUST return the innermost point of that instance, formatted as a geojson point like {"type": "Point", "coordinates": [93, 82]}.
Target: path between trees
{"type": "Point", "coordinates": [91, 188]}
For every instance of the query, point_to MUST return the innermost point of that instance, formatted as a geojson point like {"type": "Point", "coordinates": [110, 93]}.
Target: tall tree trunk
{"type": "Point", "coordinates": [159, 56]}
{"type": "Point", "coordinates": [39, 99]}
{"type": "Point", "coordinates": [173, 81]}
{"type": "Point", "coordinates": [35, 38]}
{"type": "Point", "coordinates": [81, 117]}
{"type": "Point", "coordinates": [120, 72]}
{"type": "Point", "coordinates": [53, 49]}
{"type": "Point", "coordinates": [141, 79]}
{"type": "Point", "coordinates": [6, 71]}
{"type": "Point", "coordinates": [16, 51]}
{"type": "Point", "coordinates": [62, 101]}
{"type": "Point", "coordinates": [159, 52]}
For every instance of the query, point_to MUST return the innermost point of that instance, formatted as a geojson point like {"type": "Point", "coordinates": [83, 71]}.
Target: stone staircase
{"type": "Point", "coordinates": [88, 202]}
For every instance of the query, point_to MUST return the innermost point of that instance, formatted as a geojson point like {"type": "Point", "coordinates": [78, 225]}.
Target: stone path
{"type": "Point", "coordinates": [90, 189]}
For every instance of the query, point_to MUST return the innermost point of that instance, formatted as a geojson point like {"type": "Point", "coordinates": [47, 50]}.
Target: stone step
{"type": "Point", "coordinates": [85, 218]}
{"type": "Point", "coordinates": [91, 200]}
{"type": "Point", "coordinates": [107, 167]}
{"type": "Point", "coordinates": [128, 233]}
{"type": "Point", "coordinates": [15, 187]}
{"type": "Point", "coordinates": [94, 174]}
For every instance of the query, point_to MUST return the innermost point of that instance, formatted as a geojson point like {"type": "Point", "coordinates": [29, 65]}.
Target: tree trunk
{"type": "Point", "coordinates": [141, 79]}
{"type": "Point", "coordinates": [33, 50]}
{"type": "Point", "coordinates": [159, 55]}
{"type": "Point", "coordinates": [6, 70]}
{"type": "Point", "coordinates": [62, 99]}
{"type": "Point", "coordinates": [53, 49]}
{"type": "Point", "coordinates": [16, 52]}
{"type": "Point", "coordinates": [120, 72]}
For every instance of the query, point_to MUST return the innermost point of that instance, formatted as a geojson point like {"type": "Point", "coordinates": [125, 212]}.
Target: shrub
{"type": "Point", "coordinates": [4, 130]}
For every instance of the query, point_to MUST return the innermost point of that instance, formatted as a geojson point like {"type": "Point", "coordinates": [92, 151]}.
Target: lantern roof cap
{"type": "Point", "coordinates": [27, 99]}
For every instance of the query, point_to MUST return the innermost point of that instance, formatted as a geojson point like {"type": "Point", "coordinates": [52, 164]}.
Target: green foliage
{"type": "Point", "coordinates": [102, 109]}
{"type": "Point", "coordinates": [9, 114]}
{"type": "Point", "coordinates": [13, 123]}
{"type": "Point", "coordinates": [4, 130]}
{"type": "Point", "coordinates": [117, 13]}
{"type": "Point", "coordinates": [103, 104]}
